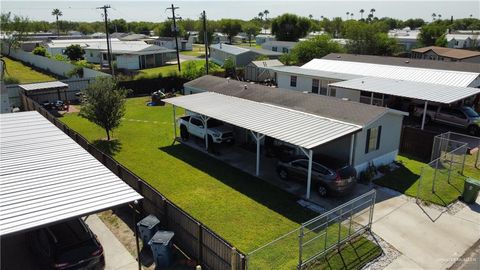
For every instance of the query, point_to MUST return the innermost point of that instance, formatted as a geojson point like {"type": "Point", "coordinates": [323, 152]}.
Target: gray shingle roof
{"type": "Point", "coordinates": [405, 62]}
{"type": "Point", "coordinates": [334, 108]}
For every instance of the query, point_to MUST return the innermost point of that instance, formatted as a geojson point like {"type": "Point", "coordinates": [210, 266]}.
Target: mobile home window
{"type": "Point", "coordinates": [373, 139]}
{"type": "Point", "coordinates": [293, 81]}
{"type": "Point", "coordinates": [274, 49]}
{"type": "Point", "coordinates": [315, 84]}
{"type": "Point", "coordinates": [323, 88]}
{"type": "Point", "coordinates": [285, 50]}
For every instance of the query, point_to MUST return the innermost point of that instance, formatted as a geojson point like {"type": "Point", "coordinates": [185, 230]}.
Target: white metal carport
{"type": "Point", "coordinates": [304, 130]}
{"type": "Point", "coordinates": [427, 92]}
{"type": "Point", "coordinates": [46, 177]}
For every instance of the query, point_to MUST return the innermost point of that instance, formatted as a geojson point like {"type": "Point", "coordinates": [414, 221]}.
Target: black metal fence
{"type": "Point", "coordinates": [191, 236]}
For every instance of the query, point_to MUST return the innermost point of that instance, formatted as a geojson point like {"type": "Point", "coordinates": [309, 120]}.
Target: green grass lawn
{"type": "Point", "coordinates": [253, 45]}
{"type": "Point", "coordinates": [25, 74]}
{"type": "Point", "coordinates": [166, 70]}
{"type": "Point", "coordinates": [406, 180]}
{"type": "Point", "coordinates": [243, 209]}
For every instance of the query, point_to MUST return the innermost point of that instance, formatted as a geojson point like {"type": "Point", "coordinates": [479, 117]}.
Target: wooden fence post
{"type": "Point", "coordinates": [234, 259]}
{"type": "Point", "coordinates": [200, 243]}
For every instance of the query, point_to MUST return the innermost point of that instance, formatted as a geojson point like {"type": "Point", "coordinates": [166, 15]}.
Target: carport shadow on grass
{"type": "Point", "coordinates": [110, 148]}
{"type": "Point", "coordinates": [255, 188]}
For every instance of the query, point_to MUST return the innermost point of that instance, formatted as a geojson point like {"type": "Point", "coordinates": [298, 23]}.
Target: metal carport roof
{"type": "Point", "coordinates": [44, 85]}
{"type": "Point", "coordinates": [291, 126]}
{"type": "Point", "coordinates": [46, 177]}
{"type": "Point", "coordinates": [423, 91]}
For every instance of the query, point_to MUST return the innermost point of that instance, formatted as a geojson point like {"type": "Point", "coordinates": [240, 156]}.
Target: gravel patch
{"type": "Point", "coordinates": [389, 254]}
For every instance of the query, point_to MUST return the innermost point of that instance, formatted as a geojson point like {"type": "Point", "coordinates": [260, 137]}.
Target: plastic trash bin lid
{"type": "Point", "coordinates": [161, 237]}
{"type": "Point", "coordinates": [149, 221]}
{"type": "Point", "coordinates": [473, 181]}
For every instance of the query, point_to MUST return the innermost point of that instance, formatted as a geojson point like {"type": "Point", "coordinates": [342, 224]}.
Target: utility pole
{"type": "Point", "coordinates": [175, 31]}
{"type": "Point", "coordinates": [205, 39]}
{"type": "Point", "coordinates": [109, 56]}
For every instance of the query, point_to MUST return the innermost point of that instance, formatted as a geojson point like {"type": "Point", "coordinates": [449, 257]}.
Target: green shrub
{"type": "Point", "coordinates": [83, 63]}
{"type": "Point", "coordinates": [41, 51]}
{"type": "Point", "coordinates": [60, 57]}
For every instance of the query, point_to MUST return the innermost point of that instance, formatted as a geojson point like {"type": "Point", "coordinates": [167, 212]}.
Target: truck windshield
{"type": "Point", "coordinates": [214, 123]}
{"type": "Point", "coordinates": [470, 112]}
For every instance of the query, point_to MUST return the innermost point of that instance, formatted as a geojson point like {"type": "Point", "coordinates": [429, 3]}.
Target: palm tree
{"type": "Point", "coordinates": [310, 16]}
{"type": "Point", "coordinates": [372, 11]}
{"type": "Point", "coordinates": [266, 12]}
{"type": "Point", "coordinates": [434, 16]}
{"type": "Point", "coordinates": [348, 14]}
{"type": "Point", "coordinates": [260, 15]}
{"type": "Point", "coordinates": [439, 16]}
{"type": "Point", "coordinates": [351, 15]}
{"type": "Point", "coordinates": [57, 13]}
{"type": "Point", "coordinates": [361, 13]}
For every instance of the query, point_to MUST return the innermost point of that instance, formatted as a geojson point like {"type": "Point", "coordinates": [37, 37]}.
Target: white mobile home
{"type": "Point", "coordinates": [241, 56]}
{"type": "Point", "coordinates": [375, 134]}
{"type": "Point", "coordinates": [279, 46]}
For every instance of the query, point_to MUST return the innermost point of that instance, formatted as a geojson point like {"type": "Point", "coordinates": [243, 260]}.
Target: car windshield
{"type": "Point", "coordinates": [470, 112]}
{"type": "Point", "coordinates": [69, 233]}
{"type": "Point", "coordinates": [214, 123]}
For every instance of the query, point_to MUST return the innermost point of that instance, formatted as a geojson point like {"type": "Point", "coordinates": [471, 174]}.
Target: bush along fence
{"type": "Point", "coordinates": [304, 246]}
{"type": "Point", "coordinates": [191, 236]}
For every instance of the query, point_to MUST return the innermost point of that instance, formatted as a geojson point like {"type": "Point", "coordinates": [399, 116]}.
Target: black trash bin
{"type": "Point", "coordinates": [161, 245]}
{"type": "Point", "coordinates": [147, 227]}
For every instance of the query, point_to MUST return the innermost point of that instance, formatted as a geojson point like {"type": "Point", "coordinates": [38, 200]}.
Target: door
{"type": "Point", "coordinates": [196, 127]}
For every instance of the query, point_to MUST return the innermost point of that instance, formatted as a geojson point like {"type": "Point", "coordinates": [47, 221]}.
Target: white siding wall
{"type": "Point", "coordinates": [128, 61]}
{"type": "Point", "coordinates": [351, 95]}
{"type": "Point", "coordinates": [93, 56]}
{"type": "Point", "coordinates": [389, 142]}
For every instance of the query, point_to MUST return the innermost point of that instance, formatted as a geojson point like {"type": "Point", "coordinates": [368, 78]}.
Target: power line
{"type": "Point", "coordinates": [175, 31]}
{"type": "Point", "coordinates": [109, 56]}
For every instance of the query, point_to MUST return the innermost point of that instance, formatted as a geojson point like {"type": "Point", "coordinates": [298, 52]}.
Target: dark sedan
{"type": "Point", "coordinates": [325, 180]}
{"type": "Point", "coordinates": [67, 245]}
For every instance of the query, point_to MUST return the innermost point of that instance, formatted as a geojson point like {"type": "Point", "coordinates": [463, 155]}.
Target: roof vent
{"type": "Point", "coordinates": [245, 86]}
{"type": "Point", "coordinates": [228, 79]}
{"type": "Point", "coordinates": [406, 61]}
{"type": "Point", "coordinates": [339, 56]}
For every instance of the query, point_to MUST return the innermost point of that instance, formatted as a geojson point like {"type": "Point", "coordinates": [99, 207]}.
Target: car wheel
{"type": "Point", "coordinates": [184, 133]}
{"type": "Point", "coordinates": [473, 130]}
{"type": "Point", "coordinates": [282, 173]}
{"type": "Point", "coordinates": [322, 191]}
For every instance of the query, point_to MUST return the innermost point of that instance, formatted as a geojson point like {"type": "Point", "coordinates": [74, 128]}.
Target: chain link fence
{"type": "Point", "coordinates": [314, 239]}
{"type": "Point", "coordinates": [441, 181]}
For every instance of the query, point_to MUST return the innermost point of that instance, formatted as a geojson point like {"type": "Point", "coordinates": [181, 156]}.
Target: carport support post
{"type": "Point", "coordinates": [258, 138]}
{"type": "Point", "coordinates": [135, 203]}
{"type": "Point", "coordinates": [424, 114]}
{"type": "Point", "coordinates": [174, 123]}
{"type": "Point", "coordinates": [205, 120]}
{"type": "Point", "coordinates": [309, 154]}
{"type": "Point", "coordinates": [371, 99]}
{"type": "Point", "coordinates": [352, 148]}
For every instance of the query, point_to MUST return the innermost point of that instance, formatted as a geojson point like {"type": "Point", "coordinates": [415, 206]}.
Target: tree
{"type": "Point", "coordinates": [414, 23]}
{"type": "Point", "coordinates": [74, 52]}
{"type": "Point", "coordinates": [310, 16]}
{"type": "Point", "coordinates": [434, 16]}
{"type": "Point", "coordinates": [348, 14]}
{"type": "Point", "coordinates": [104, 103]}
{"type": "Point", "coordinates": [40, 50]}
{"type": "Point", "coordinates": [14, 30]}
{"type": "Point", "coordinates": [118, 25]}
{"type": "Point", "coordinates": [430, 33]}
{"type": "Point", "coordinates": [361, 13]}
{"type": "Point", "coordinates": [57, 13]}
{"type": "Point", "coordinates": [316, 47]}
{"type": "Point", "coordinates": [251, 30]}
{"type": "Point", "coordinates": [210, 31]}
{"type": "Point", "coordinates": [368, 38]}
{"type": "Point", "coordinates": [230, 27]}
{"type": "Point", "coordinates": [260, 15]}
{"type": "Point", "coordinates": [441, 41]}
{"type": "Point", "coordinates": [266, 12]}
{"type": "Point", "coordinates": [166, 30]}
{"type": "Point", "coordinates": [290, 27]}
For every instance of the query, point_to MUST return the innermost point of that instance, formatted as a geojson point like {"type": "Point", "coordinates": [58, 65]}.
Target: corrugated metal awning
{"type": "Point", "coordinates": [291, 126]}
{"type": "Point", "coordinates": [47, 177]}
{"type": "Point", "coordinates": [436, 76]}
{"type": "Point", "coordinates": [42, 86]}
{"type": "Point", "coordinates": [409, 89]}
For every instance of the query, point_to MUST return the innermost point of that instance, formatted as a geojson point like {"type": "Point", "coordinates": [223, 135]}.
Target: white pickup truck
{"type": "Point", "coordinates": [216, 130]}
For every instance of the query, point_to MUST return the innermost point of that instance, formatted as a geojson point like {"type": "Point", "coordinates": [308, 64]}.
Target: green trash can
{"type": "Point", "coordinates": [470, 190]}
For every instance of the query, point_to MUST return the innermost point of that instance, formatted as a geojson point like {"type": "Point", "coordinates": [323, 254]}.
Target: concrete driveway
{"type": "Point", "coordinates": [428, 238]}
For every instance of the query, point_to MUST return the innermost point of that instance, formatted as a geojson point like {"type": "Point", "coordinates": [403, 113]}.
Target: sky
{"type": "Point", "coordinates": [155, 11]}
